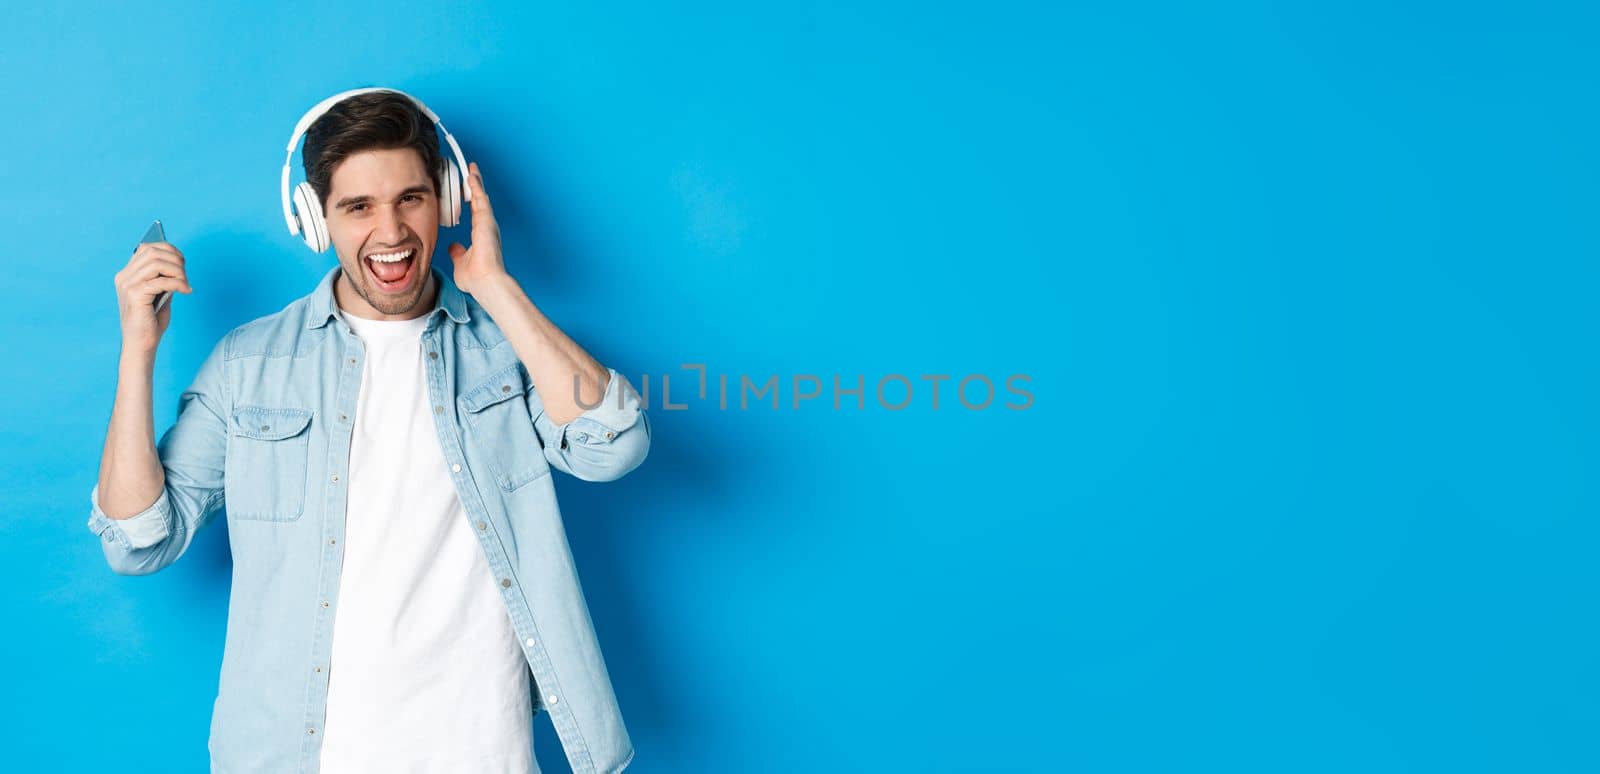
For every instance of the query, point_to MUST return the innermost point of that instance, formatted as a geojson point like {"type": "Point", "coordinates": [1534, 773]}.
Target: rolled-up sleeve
{"type": "Point", "coordinates": [192, 453]}
{"type": "Point", "coordinates": [603, 443]}
{"type": "Point", "coordinates": [142, 530]}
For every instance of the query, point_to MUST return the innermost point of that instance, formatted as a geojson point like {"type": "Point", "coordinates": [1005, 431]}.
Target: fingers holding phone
{"type": "Point", "coordinates": [155, 268]}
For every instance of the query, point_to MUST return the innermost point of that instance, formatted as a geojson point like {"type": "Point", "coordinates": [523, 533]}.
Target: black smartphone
{"type": "Point", "coordinates": [157, 234]}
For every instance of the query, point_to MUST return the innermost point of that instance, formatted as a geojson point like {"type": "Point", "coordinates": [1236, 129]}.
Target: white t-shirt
{"type": "Point", "coordinates": [426, 674]}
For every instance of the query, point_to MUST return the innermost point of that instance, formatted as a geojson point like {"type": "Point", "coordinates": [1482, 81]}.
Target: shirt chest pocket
{"type": "Point", "coordinates": [501, 428]}
{"type": "Point", "coordinates": [266, 466]}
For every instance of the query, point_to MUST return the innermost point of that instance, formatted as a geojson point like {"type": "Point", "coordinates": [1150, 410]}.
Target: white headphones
{"type": "Point", "coordinates": [304, 214]}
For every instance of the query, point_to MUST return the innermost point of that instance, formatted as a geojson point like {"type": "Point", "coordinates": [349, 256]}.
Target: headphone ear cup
{"type": "Point", "coordinates": [449, 193]}
{"type": "Point", "coordinates": [308, 210]}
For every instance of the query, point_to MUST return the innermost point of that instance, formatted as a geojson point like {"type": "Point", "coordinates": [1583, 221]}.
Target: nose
{"type": "Point", "coordinates": [390, 230]}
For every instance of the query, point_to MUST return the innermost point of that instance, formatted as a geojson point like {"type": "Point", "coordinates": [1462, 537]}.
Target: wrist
{"type": "Point", "coordinates": [497, 289]}
{"type": "Point", "coordinates": [134, 355]}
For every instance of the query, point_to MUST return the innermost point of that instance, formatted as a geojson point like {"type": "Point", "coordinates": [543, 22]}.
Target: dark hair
{"type": "Point", "coordinates": [372, 121]}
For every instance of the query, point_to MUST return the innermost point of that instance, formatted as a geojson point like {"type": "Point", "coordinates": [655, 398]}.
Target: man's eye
{"type": "Point", "coordinates": [357, 207]}
{"type": "Point", "coordinates": [412, 196]}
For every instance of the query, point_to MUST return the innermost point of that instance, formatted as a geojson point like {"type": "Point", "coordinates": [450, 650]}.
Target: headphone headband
{"type": "Point", "coordinates": [324, 106]}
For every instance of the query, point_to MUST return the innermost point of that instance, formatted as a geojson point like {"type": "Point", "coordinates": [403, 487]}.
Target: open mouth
{"type": "Point", "coordinates": [391, 272]}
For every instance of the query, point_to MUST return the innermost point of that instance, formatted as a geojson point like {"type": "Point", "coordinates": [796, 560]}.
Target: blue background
{"type": "Point", "coordinates": [1305, 293]}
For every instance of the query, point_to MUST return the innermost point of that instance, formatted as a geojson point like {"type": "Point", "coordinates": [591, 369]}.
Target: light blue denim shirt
{"type": "Point", "coordinates": [263, 435]}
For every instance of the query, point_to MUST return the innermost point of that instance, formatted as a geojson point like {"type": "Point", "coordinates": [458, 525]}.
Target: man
{"type": "Point", "coordinates": [404, 598]}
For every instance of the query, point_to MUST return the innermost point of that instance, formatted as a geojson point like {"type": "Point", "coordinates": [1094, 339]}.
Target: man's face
{"type": "Point", "coordinates": [382, 203]}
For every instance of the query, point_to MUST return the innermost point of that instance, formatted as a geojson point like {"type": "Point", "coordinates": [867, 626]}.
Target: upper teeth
{"type": "Point", "coordinates": [391, 257]}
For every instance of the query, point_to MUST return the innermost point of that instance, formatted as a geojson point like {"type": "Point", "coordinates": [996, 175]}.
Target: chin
{"type": "Point", "coordinates": [412, 287]}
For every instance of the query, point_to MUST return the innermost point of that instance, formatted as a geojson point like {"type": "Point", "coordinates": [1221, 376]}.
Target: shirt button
{"type": "Point", "coordinates": [352, 361]}
{"type": "Point", "coordinates": [324, 603]}
{"type": "Point", "coordinates": [482, 526]}
{"type": "Point", "coordinates": [266, 427]}
{"type": "Point", "coordinates": [318, 669]}
{"type": "Point", "coordinates": [336, 478]}
{"type": "Point", "coordinates": [551, 700]}
{"type": "Point", "coordinates": [311, 731]}
{"type": "Point", "coordinates": [342, 417]}
{"type": "Point", "coordinates": [433, 355]}
{"type": "Point", "coordinates": [331, 541]}
{"type": "Point", "coordinates": [455, 468]}
{"type": "Point", "coordinates": [438, 409]}
{"type": "Point", "coordinates": [505, 388]}
{"type": "Point", "coordinates": [530, 642]}
{"type": "Point", "coordinates": [505, 583]}
{"type": "Point", "coordinates": [610, 435]}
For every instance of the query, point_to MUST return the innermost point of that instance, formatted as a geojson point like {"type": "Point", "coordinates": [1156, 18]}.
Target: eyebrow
{"type": "Point", "coordinates": [349, 200]}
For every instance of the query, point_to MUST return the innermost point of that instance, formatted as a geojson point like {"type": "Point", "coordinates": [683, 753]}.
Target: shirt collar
{"type": "Point", "coordinates": [324, 306]}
